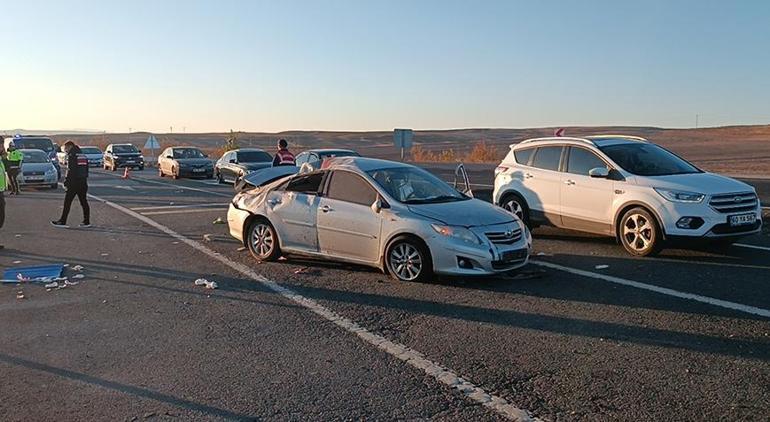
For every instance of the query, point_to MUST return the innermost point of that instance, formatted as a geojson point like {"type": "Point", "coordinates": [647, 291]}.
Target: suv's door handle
{"type": "Point", "coordinates": [527, 175]}
{"type": "Point", "coordinates": [326, 208]}
{"type": "Point", "coordinates": [569, 182]}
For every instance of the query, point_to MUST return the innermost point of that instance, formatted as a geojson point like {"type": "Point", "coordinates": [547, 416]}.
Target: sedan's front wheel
{"type": "Point", "coordinates": [407, 259]}
{"type": "Point", "coordinates": [263, 241]}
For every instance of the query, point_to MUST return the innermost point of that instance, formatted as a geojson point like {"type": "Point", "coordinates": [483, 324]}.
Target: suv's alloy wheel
{"type": "Point", "coordinates": [639, 233]}
{"type": "Point", "coordinates": [515, 205]}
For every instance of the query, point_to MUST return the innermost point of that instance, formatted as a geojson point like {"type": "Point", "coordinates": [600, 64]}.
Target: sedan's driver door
{"type": "Point", "coordinates": [348, 227]}
{"type": "Point", "coordinates": [294, 209]}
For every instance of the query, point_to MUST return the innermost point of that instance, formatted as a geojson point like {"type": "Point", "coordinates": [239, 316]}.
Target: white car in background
{"type": "Point", "coordinates": [625, 187]}
{"type": "Point", "coordinates": [37, 170]}
{"type": "Point", "coordinates": [94, 155]}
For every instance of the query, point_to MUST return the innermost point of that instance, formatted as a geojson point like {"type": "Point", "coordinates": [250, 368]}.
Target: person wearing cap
{"type": "Point", "coordinates": [76, 183]}
{"type": "Point", "coordinates": [283, 157]}
{"type": "Point", "coordinates": [12, 162]}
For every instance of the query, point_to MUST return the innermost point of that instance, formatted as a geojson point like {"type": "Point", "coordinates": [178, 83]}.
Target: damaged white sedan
{"type": "Point", "coordinates": [389, 215]}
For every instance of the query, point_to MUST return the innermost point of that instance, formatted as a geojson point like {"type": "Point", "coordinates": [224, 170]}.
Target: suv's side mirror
{"type": "Point", "coordinates": [233, 161]}
{"type": "Point", "coordinates": [599, 172]}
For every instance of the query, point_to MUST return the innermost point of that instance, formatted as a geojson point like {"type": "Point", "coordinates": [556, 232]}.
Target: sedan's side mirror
{"type": "Point", "coordinates": [599, 172]}
{"type": "Point", "coordinates": [169, 157]}
{"type": "Point", "coordinates": [379, 205]}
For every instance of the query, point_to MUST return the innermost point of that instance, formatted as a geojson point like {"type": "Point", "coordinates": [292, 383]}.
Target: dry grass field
{"type": "Point", "coordinates": [731, 149]}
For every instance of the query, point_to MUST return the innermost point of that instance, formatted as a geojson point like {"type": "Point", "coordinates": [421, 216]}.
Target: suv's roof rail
{"type": "Point", "coordinates": [629, 137]}
{"type": "Point", "coordinates": [556, 138]}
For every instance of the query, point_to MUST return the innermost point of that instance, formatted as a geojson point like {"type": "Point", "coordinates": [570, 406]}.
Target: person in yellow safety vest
{"type": "Point", "coordinates": [2, 188]}
{"type": "Point", "coordinates": [12, 164]}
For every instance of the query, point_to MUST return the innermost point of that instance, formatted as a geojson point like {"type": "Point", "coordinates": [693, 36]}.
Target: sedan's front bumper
{"type": "Point", "coordinates": [452, 257]}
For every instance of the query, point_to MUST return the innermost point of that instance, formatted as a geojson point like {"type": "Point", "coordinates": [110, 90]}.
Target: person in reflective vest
{"type": "Point", "coordinates": [3, 186]}
{"type": "Point", "coordinates": [76, 183]}
{"type": "Point", "coordinates": [283, 157]}
{"type": "Point", "coordinates": [12, 162]}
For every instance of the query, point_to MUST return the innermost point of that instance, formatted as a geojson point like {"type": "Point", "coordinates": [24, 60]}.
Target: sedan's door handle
{"type": "Point", "coordinates": [569, 182]}
{"type": "Point", "coordinates": [527, 175]}
{"type": "Point", "coordinates": [326, 208]}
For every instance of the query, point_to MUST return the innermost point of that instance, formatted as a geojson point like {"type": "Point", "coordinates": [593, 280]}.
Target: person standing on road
{"type": "Point", "coordinates": [283, 157]}
{"type": "Point", "coordinates": [76, 183]}
{"type": "Point", "coordinates": [3, 186]}
{"type": "Point", "coordinates": [12, 162]}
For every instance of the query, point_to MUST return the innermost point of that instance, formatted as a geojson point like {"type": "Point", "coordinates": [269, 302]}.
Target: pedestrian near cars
{"type": "Point", "coordinates": [76, 184]}
{"type": "Point", "coordinates": [12, 162]}
{"type": "Point", "coordinates": [3, 186]}
{"type": "Point", "coordinates": [283, 157]}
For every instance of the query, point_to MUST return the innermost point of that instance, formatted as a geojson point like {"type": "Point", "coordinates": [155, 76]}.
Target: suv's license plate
{"type": "Point", "coordinates": [199, 170]}
{"type": "Point", "coordinates": [742, 219]}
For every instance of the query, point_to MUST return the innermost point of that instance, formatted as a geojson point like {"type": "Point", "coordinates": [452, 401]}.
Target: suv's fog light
{"type": "Point", "coordinates": [464, 263]}
{"type": "Point", "coordinates": [689, 222]}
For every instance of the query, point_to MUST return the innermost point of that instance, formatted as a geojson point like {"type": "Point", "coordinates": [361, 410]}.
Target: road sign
{"type": "Point", "coordinates": [152, 143]}
{"type": "Point", "coordinates": [402, 138]}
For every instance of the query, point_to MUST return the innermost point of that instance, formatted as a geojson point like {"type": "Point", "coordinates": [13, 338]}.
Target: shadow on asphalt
{"type": "Point", "coordinates": [123, 388]}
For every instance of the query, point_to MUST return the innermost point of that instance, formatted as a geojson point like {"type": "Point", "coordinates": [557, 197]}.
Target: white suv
{"type": "Point", "coordinates": [625, 187]}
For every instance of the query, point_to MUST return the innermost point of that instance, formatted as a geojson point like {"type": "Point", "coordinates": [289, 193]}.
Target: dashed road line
{"type": "Point", "coordinates": [744, 245]}
{"type": "Point", "coordinates": [404, 353]}
{"type": "Point", "coordinates": [657, 289]}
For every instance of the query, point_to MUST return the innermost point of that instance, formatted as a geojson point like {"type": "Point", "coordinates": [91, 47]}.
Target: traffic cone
{"type": "Point", "coordinates": [126, 173]}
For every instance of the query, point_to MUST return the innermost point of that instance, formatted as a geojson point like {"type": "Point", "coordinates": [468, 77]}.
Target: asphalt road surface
{"type": "Point", "coordinates": [585, 332]}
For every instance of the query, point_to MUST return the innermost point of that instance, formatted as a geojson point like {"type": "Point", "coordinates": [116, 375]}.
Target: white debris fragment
{"type": "Point", "coordinates": [601, 267]}
{"type": "Point", "coordinates": [211, 285]}
{"type": "Point", "coordinates": [207, 237]}
{"type": "Point", "coordinates": [201, 282]}
{"type": "Point", "coordinates": [17, 235]}
{"type": "Point", "coordinates": [77, 268]}
{"type": "Point", "coordinates": [219, 220]}
{"type": "Point", "coordinates": [105, 254]}
{"type": "Point", "coordinates": [17, 262]}
{"type": "Point", "coordinates": [20, 295]}
{"type": "Point", "coordinates": [71, 283]}
{"type": "Point", "coordinates": [78, 276]}
{"type": "Point", "coordinates": [52, 285]}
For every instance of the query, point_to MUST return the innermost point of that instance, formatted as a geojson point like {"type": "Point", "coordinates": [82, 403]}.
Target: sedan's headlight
{"type": "Point", "coordinates": [50, 172]}
{"type": "Point", "coordinates": [680, 196]}
{"type": "Point", "coordinates": [458, 233]}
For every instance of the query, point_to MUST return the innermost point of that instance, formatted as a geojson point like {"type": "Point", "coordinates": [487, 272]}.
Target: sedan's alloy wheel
{"type": "Point", "coordinates": [406, 261]}
{"type": "Point", "coordinates": [262, 241]}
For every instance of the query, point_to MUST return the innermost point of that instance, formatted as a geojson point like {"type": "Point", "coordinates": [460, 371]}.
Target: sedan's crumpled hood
{"type": "Point", "coordinates": [469, 213]}
{"type": "Point", "coordinates": [706, 183]}
{"type": "Point", "coordinates": [193, 161]}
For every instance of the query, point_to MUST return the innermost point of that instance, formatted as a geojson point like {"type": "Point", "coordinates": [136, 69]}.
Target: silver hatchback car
{"type": "Point", "coordinates": [389, 215]}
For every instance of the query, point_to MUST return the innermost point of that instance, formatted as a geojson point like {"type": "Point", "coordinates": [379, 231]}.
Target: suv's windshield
{"type": "Point", "coordinates": [185, 153]}
{"type": "Point", "coordinates": [90, 150]}
{"type": "Point", "coordinates": [35, 157]}
{"type": "Point", "coordinates": [412, 185]}
{"type": "Point", "coordinates": [648, 160]}
{"type": "Point", "coordinates": [124, 149]}
{"type": "Point", "coordinates": [254, 157]}
{"type": "Point", "coordinates": [41, 144]}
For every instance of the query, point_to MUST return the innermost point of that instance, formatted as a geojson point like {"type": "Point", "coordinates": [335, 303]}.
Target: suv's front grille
{"type": "Point", "coordinates": [508, 237]}
{"type": "Point", "coordinates": [734, 202]}
{"type": "Point", "coordinates": [33, 173]}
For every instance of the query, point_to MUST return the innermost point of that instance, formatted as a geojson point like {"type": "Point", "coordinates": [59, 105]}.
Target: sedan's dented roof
{"type": "Point", "coordinates": [361, 164]}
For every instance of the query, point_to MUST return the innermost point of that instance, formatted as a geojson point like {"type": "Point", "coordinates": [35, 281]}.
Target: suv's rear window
{"type": "Point", "coordinates": [522, 155]}
{"type": "Point", "coordinates": [547, 158]}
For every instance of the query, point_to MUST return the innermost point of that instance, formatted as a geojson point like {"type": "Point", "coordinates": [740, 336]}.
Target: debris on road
{"type": "Point", "coordinates": [77, 268]}
{"type": "Point", "coordinates": [601, 267]}
{"type": "Point", "coordinates": [105, 254]}
{"type": "Point", "coordinates": [208, 237]}
{"type": "Point", "coordinates": [53, 285]}
{"type": "Point", "coordinates": [201, 282]}
{"type": "Point", "coordinates": [38, 273]}
{"type": "Point", "coordinates": [211, 285]}
{"type": "Point", "coordinates": [16, 262]}
{"type": "Point", "coordinates": [219, 221]}
{"type": "Point", "coordinates": [20, 295]}
{"type": "Point", "coordinates": [302, 270]}
{"type": "Point", "coordinates": [78, 276]}
{"type": "Point", "coordinates": [17, 235]}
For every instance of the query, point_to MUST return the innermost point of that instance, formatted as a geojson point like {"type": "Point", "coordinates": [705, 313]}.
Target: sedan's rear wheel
{"type": "Point", "coordinates": [639, 233]}
{"type": "Point", "coordinates": [407, 259]}
{"type": "Point", "coordinates": [263, 241]}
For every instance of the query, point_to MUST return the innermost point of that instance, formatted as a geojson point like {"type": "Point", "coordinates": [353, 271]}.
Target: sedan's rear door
{"type": "Point", "coordinates": [348, 227]}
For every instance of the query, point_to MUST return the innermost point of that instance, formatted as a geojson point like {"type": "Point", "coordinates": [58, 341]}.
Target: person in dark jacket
{"type": "Point", "coordinates": [283, 157]}
{"type": "Point", "coordinates": [76, 183]}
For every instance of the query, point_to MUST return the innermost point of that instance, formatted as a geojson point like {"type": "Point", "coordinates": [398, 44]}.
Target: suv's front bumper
{"type": "Point", "coordinates": [715, 224]}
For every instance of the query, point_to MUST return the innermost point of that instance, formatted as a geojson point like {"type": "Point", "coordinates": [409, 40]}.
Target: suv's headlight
{"type": "Point", "coordinates": [457, 232]}
{"type": "Point", "coordinates": [680, 196]}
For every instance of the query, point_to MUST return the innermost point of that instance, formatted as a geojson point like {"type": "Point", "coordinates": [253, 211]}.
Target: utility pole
{"type": "Point", "coordinates": [697, 120]}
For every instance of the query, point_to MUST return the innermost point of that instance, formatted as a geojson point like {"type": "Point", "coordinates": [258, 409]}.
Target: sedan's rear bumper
{"type": "Point", "coordinates": [236, 222]}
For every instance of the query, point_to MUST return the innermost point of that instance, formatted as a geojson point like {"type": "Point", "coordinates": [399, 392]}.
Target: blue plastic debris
{"type": "Point", "coordinates": [36, 273]}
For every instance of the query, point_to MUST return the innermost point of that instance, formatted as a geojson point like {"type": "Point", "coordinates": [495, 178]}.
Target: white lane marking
{"type": "Point", "coordinates": [174, 207]}
{"type": "Point", "coordinates": [408, 355]}
{"type": "Point", "coordinates": [745, 245]}
{"type": "Point", "coordinates": [657, 289]}
{"type": "Point", "coordinates": [186, 211]}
